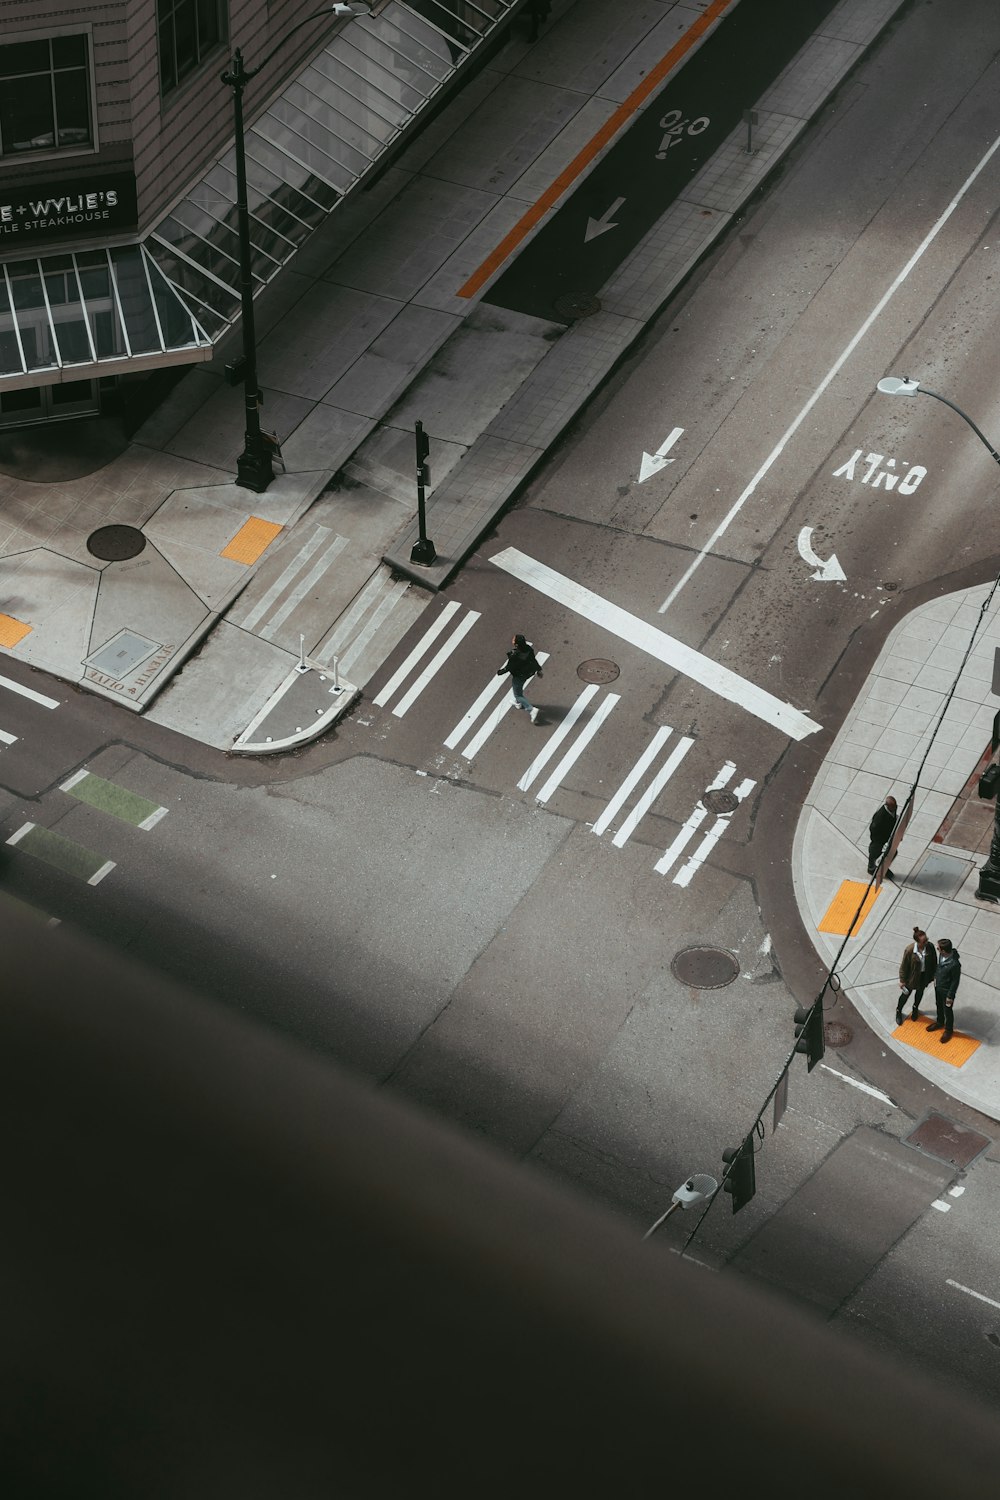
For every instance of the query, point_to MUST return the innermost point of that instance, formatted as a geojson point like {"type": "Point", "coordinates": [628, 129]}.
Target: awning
{"type": "Point", "coordinates": [84, 313]}
{"type": "Point", "coordinates": [314, 144]}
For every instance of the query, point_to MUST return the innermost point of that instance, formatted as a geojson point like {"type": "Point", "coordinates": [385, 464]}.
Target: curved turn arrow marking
{"type": "Point", "coordinates": [827, 572]}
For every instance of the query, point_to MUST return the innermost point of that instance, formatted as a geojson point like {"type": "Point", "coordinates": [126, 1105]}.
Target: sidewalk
{"type": "Point", "coordinates": [211, 599]}
{"type": "Point", "coordinates": [878, 751]}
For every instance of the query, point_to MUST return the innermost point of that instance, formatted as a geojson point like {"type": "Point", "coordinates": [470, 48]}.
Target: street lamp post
{"type": "Point", "coordinates": [895, 385]}
{"type": "Point", "coordinates": [253, 467]}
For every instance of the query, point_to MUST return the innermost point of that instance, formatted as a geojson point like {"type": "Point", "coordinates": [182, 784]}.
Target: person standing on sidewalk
{"type": "Point", "coordinates": [522, 664]}
{"type": "Point", "coordinates": [879, 832]}
{"type": "Point", "coordinates": [915, 973]}
{"type": "Point", "coordinates": [946, 978]}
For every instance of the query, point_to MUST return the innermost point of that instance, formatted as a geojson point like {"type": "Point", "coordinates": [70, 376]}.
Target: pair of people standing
{"type": "Point", "coordinates": [920, 967]}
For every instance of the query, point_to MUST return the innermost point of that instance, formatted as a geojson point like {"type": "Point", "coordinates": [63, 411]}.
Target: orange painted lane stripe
{"type": "Point", "coordinates": [584, 157]}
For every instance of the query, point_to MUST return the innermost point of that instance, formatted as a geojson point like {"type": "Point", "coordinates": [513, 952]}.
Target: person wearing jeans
{"type": "Point", "coordinates": [915, 973]}
{"type": "Point", "coordinates": [522, 664]}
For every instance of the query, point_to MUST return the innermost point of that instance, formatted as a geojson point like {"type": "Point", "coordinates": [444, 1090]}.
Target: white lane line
{"type": "Point", "coordinates": [154, 818]}
{"type": "Point", "coordinates": [856, 1083]}
{"type": "Point", "coordinates": [425, 642]}
{"type": "Point", "coordinates": [435, 664]}
{"type": "Point", "coordinates": [378, 616]}
{"type": "Point", "coordinates": [285, 577]}
{"type": "Point", "coordinates": [99, 875]}
{"type": "Point", "coordinates": [980, 1297]}
{"type": "Point", "coordinates": [632, 779]}
{"type": "Point", "coordinates": [657, 643]}
{"type": "Point", "coordinates": [26, 692]}
{"type": "Point", "coordinates": [495, 686]}
{"type": "Point", "coordinates": [694, 822]}
{"type": "Point", "coordinates": [687, 872]}
{"type": "Point", "coordinates": [654, 789]}
{"type": "Point", "coordinates": [577, 748]}
{"type": "Point", "coordinates": [552, 745]}
{"type": "Point", "coordinates": [16, 838]}
{"type": "Point", "coordinates": [74, 780]}
{"type": "Point", "coordinates": [942, 1208]}
{"type": "Point", "coordinates": [831, 374]}
{"type": "Point", "coordinates": [301, 589]}
{"type": "Point", "coordinates": [487, 727]}
{"type": "Point", "coordinates": [479, 740]}
{"type": "Point", "coordinates": [8, 739]}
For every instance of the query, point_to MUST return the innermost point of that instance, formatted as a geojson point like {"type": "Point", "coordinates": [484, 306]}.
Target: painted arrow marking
{"type": "Point", "coordinates": [673, 653]}
{"type": "Point", "coordinates": [652, 463]}
{"type": "Point", "coordinates": [599, 226]}
{"type": "Point", "coordinates": [827, 572]}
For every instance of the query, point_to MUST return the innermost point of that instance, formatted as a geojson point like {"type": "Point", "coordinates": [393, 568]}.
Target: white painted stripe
{"type": "Point", "coordinates": [74, 780]}
{"type": "Point", "coordinates": [16, 838]}
{"type": "Point", "coordinates": [277, 588]}
{"type": "Point", "coordinates": [686, 873]}
{"type": "Point", "coordinates": [302, 588]}
{"type": "Point", "coordinates": [632, 779]}
{"type": "Point", "coordinates": [435, 664]}
{"type": "Point", "coordinates": [154, 818]}
{"type": "Point", "coordinates": [552, 744]}
{"type": "Point", "coordinates": [980, 1297]}
{"type": "Point", "coordinates": [376, 620]}
{"type": "Point", "coordinates": [856, 1083]}
{"type": "Point", "coordinates": [694, 822]}
{"type": "Point", "coordinates": [424, 644]}
{"type": "Point", "coordinates": [343, 630]}
{"type": "Point", "coordinates": [99, 875]}
{"type": "Point", "coordinates": [580, 744]}
{"type": "Point", "coordinates": [26, 692]}
{"type": "Point", "coordinates": [942, 1208]}
{"type": "Point", "coordinates": [497, 684]}
{"type": "Point", "coordinates": [654, 789]}
{"type": "Point", "coordinates": [657, 643]}
{"type": "Point", "coordinates": [8, 739]}
{"type": "Point", "coordinates": [831, 374]}
{"type": "Point", "coordinates": [465, 723]}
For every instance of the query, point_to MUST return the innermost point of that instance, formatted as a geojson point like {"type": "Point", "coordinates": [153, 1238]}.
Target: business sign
{"type": "Point", "coordinates": [102, 203]}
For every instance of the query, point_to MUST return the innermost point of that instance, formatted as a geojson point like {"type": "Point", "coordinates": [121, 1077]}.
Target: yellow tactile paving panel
{"type": "Point", "coordinates": [11, 630]}
{"type": "Point", "coordinates": [840, 912]}
{"type": "Point", "coordinates": [956, 1052]}
{"type": "Point", "coordinates": [251, 541]}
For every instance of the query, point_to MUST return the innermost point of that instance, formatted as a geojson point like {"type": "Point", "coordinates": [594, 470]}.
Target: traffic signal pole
{"type": "Point", "coordinates": [422, 552]}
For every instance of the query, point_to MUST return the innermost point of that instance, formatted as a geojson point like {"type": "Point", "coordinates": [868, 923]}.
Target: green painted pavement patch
{"type": "Point", "coordinates": [61, 852]}
{"type": "Point", "coordinates": [109, 798]}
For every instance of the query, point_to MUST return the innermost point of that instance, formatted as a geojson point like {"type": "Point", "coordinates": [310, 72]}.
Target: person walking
{"type": "Point", "coordinates": [946, 979]}
{"type": "Point", "coordinates": [522, 664]}
{"type": "Point", "coordinates": [915, 973]}
{"type": "Point", "coordinates": [879, 832]}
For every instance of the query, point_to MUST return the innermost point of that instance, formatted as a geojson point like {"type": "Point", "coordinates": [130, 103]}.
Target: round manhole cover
{"type": "Point", "coordinates": [837, 1034]}
{"type": "Point", "coordinates": [704, 968]}
{"type": "Point", "coordinates": [719, 800]}
{"type": "Point", "coordinates": [598, 669]}
{"type": "Point", "coordinates": [575, 305]}
{"type": "Point", "coordinates": [115, 543]}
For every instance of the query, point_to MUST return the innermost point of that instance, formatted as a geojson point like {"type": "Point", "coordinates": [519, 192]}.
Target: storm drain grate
{"type": "Point", "coordinates": [115, 543]}
{"type": "Point", "coordinates": [948, 1141]}
{"type": "Point", "coordinates": [704, 968]}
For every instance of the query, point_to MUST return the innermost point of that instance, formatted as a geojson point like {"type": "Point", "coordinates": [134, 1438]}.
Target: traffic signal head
{"type": "Point", "coordinates": [740, 1178]}
{"type": "Point", "coordinates": [809, 1031]}
{"type": "Point", "coordinates": [423, 443]}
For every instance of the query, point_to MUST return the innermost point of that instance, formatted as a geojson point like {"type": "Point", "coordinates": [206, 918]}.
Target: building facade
{"type": "Point", "coordinates": [119, 224]}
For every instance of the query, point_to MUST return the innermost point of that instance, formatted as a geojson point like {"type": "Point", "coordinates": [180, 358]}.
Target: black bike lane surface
{"type": "Point", "coordinates": [657, 156]}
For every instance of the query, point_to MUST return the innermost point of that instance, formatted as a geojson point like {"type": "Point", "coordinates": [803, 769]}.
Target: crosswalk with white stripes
{"type": "Point", "coordinates": [548, 769]}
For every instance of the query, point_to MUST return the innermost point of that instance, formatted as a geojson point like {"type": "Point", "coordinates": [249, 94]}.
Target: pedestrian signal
{"type": "Point", "coordinates": [740, 1177]}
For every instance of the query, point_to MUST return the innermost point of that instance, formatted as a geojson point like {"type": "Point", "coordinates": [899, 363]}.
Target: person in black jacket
{"type": "Point", "coordinates": [949, 972]}
{"type": "Point", "coordinates": [521, 663]}
{"type": "Point", "coordinates": [879, 832]}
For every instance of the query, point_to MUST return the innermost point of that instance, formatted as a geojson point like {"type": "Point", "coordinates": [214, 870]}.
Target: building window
{"type": "Point", "coordinates": [45, 95]}
{"type": "Point", "coordinates": [189, 31]}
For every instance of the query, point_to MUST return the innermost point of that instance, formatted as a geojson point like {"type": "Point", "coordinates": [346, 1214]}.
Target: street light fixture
{"type": "Point", "coordinates": [253, 467]}
{"type": "Point", "coordinates": [896, 385]}
{"type": "Point", "coordinates": [696, 1189]}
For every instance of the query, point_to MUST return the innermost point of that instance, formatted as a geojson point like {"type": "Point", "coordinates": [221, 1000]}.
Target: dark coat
{"type": "Point", "coordinates": [909, 969]}
{"type": "Point", "coordinates": [949, 972]}
{"type": "Point", "coordinates": [879, 829]}
{"type": "Point", "coordinates": [521, 664]}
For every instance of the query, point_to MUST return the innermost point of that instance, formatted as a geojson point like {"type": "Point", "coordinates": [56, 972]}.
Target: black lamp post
{"type": "Point", "coordinates": [253, 467]}
{"type": "Point", "coordinates": [989, 874]}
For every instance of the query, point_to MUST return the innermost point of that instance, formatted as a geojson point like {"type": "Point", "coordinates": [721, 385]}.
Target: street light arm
{"type": "Point", "coordinates": [981, 436]}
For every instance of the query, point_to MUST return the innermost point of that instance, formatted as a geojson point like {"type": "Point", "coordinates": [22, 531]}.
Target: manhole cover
{"type": "Point", "coordinates": [115, 543]}
{"type": "Point", "coordinates": [946, 1140]}
{"type": "Point", "coordinates": [575, 305]}
{"type": "Point", "coordinates": [837, 1034]}
{"type": "Point", "coordinates": [704, 968]}
{"type": "Point", "coordinates": [598, 669]}
{"type": "Point", "coordinates": [719, 800]}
